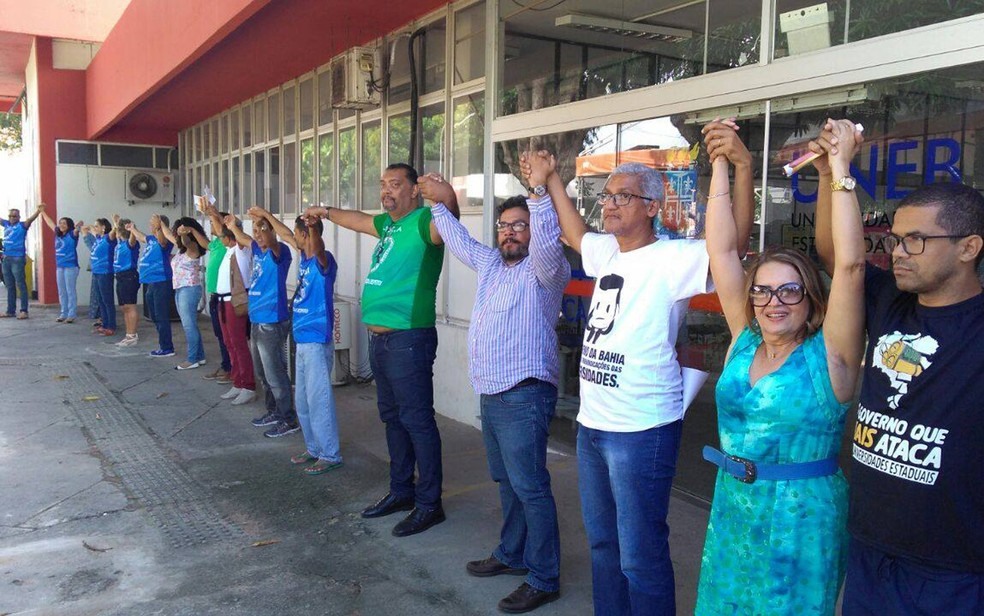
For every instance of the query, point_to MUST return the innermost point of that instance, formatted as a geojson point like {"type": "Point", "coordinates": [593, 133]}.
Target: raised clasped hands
{"type": "Point", "coordinates": [255, 212]}
{"type": "Point", "coordinates": [838, 139]}
{"type": "Point", "coordinates": [537, 167]}
{"type": "Point", "coordinates": [723, 144]}
{"type": "Point", "coordinates": [435, 188]}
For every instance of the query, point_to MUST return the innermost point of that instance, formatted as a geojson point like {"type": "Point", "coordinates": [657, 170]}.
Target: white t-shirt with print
{"type": "Point", "coordinates": [630, 377]}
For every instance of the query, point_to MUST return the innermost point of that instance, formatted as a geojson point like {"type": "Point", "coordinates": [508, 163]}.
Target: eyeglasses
{"type": "Point", "coordinates": [788, 294]}
{"type": "Point", "coordinates": [621, 199]}
{"type": "Point", "coordinates": [518, 227]}
{"type": "Point", "coordinates": [914, 243]}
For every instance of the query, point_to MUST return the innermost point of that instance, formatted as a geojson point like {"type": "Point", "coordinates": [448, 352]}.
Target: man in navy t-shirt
{"type": "Point", "coordinates": [15, 259]}
{"type": "Point", "coordinates": [270, 320]}
{"type": "Point", "coordinates": [916, 504]}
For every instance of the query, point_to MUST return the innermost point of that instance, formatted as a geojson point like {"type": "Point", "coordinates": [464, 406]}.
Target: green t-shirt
{"type": "Point", "coordinates": [216, 252]}
{"type": "Point", "coordinates": [401, 288]}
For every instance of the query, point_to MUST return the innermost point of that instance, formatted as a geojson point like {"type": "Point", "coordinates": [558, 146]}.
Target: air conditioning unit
{"type": "Point", "coordinates": [353, 79]}
{"type": "Point", "coordinates": [148, 186]}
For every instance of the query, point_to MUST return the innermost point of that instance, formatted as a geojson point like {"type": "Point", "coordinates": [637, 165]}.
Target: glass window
{"type": "Point", "coordinates": [432, 139]}
{"type": "Point", "coordinates": [556, 54]}
{"type": "Point", "coordinates": [218, 181]}
{"type": "Point", "coordinates": [214, 130]}
{"type": "Point", "coordinates": [290, 177]}
{"type": "Point", "coordinates": [234, 132]}
{"type": "Point", "coordinates": [259, 121]}
{"type": "Point", "coordinates": [326, 169]}
{"type": "Point", "coordinates": [806, 25]}
{"type": "Point", "coordinates": [398, 89]}
{"type": "Point", "coordinates": [247, 125]}
{"type": "Point", "coordinates": [273, 117]}
{"type": "Point", "coordinates": [236, 205]}
{"type": "Point", "coordinates": [399, 139]}
{"type": "Point", "coordinates": [469, 43]}
{"type": "Point", "coordinates": [306, 91]}
{"type": "Point", "coordinates": [274, 188]}
{"type": "Point", "coordinates": [206, 141]}
{"type": "Point", "coordinates": [371, 164]}
{"type": "Point", "coordinates": [324, 98]}
{"type": "Point", "coordinates": [248, 181]}
{"type": "Point", "coordinates": [224, 134]}
{"type": "Point", "coordinates": [290, 124]}
{"type": "Point", "coordinates": [347, 168]}
{"type": "Point", "coordinates": [259, 168]}
{"type": "Point", "coordinates": [307, 174]}
{"type": "Point", "coordinates": [468, 136]}
{"type": "Point", "coordinates": [344, 114]}
{"type": "Point", "coordinates": [431, 57]}
{"type": "Point", "coordinates": [71, 153]}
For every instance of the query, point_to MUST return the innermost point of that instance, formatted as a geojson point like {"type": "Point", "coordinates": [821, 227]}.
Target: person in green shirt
{"type": "Point", "coordinates": [216, 254]}
{"type": "Point", "coordinates": [398, 308]}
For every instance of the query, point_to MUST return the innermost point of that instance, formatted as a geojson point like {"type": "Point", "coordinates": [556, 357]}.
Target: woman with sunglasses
{"type": "Point", "coordinates": [776, 539]}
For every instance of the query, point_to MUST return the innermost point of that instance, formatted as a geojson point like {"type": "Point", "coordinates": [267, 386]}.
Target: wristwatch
{"type": "Point", "coordinates": [844, 183]}
{"type": "Point", "coordinates": [539, 190]}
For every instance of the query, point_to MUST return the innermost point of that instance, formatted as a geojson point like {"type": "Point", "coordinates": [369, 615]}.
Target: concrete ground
{"type": "Point", "coordinates": [131, 488]}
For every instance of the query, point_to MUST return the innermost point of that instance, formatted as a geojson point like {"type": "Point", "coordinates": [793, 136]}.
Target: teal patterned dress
{"type": "Point", "coordinates": [776, 547]}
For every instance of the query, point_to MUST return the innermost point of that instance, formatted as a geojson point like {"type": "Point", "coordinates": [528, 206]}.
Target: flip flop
{"type": "Point", "coordinates": [322, 466]}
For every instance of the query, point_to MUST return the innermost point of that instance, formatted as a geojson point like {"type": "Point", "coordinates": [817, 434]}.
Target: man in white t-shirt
{"type": "Point", "coordinates": [631, 387]}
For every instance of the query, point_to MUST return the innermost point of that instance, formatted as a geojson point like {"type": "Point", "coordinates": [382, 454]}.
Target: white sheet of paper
{"type": "Point", "coordinates": [208, 195]}
{"type": "Point", "coordinates": [693, 380]}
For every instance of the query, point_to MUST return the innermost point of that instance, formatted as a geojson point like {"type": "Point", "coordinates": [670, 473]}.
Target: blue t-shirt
{"type": "Point", "coordinates": [314, 310]}
{"type": "Point", "coordinates": [268, 285]}
{"type": "Point", "coordinates": [102, 255]}
{"type": "Point", "coordinates": [66, 254]}
{"type": "Point", "coordinates": [126, 256]}
{"type": "Point", "coordinates": [14, 236]}
{"type": "Point", "coordinates": [155, 262]}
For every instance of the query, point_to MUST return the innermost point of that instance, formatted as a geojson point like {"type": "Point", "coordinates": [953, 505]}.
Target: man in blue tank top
{"type": "Point", "coordinates": [15, 259]}
{"type": "Point", "coordinates": [270, 320]}
{"type": "Point", "coordinates": [313, 323]}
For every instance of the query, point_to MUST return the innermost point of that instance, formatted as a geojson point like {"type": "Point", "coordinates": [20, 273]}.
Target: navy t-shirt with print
{"type": "Point", "coordinates": [918, 443]}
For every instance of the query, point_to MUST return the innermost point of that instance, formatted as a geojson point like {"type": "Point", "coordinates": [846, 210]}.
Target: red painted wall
{"type": "Point", "coordinates": [153, 41]}
{"type": "Point", "coordinates": [60, 109]}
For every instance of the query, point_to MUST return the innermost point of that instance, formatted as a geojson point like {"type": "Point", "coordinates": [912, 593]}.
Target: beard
{"type": "Point", "coordinates": [511, 250]}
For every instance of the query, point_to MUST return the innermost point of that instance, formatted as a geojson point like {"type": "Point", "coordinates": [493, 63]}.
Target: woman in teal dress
{"type": "Point", "coordinates": [776, 540]}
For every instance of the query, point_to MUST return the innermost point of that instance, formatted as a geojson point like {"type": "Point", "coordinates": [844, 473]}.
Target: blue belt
{"type": "Point", "coordinates": [746, 471]}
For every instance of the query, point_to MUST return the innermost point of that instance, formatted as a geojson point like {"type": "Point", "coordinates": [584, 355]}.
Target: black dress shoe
{"type": "Point", "coordinates": [387, 505]}
{"type": "Point", "coordinates": [526, 599]}
{"type": "Point", "coordinates": [492, 566]}
{"type": "Point", "coordinates": [418, 521]}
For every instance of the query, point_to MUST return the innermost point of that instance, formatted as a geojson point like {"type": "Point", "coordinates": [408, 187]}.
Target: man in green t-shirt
{"type": "Point", "coordinates": [398, 300]}
{"type": "Point", "coordinates": [216, 253]}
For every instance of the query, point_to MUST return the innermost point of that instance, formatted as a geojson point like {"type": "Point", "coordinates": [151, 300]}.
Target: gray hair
{"type": "Point", "coordinates": [650, 180]}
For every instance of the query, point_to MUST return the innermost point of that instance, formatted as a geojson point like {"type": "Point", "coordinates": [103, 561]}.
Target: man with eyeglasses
{"type": "Point", "coordinates": [916, 515]}
{"type": "Point", "coordinates": [631, 411]}
{"type": "Point", "coordinates": [15, 260]}
{"type": "Point", "coordinates": [513, 363]}
{"type": "Point", "coordinates": [398, 308]}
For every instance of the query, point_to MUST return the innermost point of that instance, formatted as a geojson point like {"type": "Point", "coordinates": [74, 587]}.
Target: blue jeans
{"type": "Point", "coordinates": [186, 299]}
{"type": "Point", "coordinates": [67, 295]}
{"type": "Point", "coordinates": [878, 583]}
{"type": "Point", "coordinates": [403, 366]}
{"type": "Point", "coordinates": [107, 300]}
{"type": "Point", "coordinates": [625, 480]}
{"type": "Point", "coordinates": [315, 399]}
{"type": "Point", "coordinates": [15, 279]}
{"type": "Point", "coordinates": [214, 306]}
{"type": "Point", "coordinates": [267, 349]}
{"type": "Point", "coordinates": [515, 426]}
{"type": "Point", "coordinates": [159, 305]}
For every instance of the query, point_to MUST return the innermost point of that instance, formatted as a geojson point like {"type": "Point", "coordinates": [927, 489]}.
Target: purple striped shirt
{"type": "Point", "coordinates": [512, 335]}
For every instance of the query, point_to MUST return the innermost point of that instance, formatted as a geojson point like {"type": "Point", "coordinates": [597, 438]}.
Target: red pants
{"type": "Point", "coordinates": [234, 329]}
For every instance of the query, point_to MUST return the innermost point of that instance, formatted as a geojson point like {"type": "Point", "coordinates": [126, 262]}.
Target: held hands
{"type": "Point", "coordinates": [131, 227]}
{"type": "Point", "coordinates": [840, 140]}
{"type": "Point", "coordinates": [315, 212]}
{"type": "Point", "coordinates": [723, 144]}
{"type": "Point", "coordinates": [155, 223]}
{"type": "Point", "coordinates": [229, 221]}
{"type": "Point", "coordinates": [257, 213]}
{"type": "Point", "coordinates": [183, 230]}
{"type": "Point", "coordinates": [537, 167]}
{"type": "Point", "coordinates": [435, 189]}
{"type": "Point", "coordinates": [41, 207]}
{"type": "Point", "coordinates": [78, 225]}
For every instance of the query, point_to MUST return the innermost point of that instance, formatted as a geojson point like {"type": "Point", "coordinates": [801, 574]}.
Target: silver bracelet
{"type": "Point", "coordinates": [720, 194]}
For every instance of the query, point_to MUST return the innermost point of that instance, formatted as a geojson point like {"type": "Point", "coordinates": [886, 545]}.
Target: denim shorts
{"type": "Point", "coordinates": [127, 285]}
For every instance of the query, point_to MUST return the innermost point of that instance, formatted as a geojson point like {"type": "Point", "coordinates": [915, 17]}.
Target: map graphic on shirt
{"type": "Point", "coordinates": [903, 357]}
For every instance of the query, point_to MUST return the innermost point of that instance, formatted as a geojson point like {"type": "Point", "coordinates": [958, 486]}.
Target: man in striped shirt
{"type": "Point", "coordinates": [513, 363]}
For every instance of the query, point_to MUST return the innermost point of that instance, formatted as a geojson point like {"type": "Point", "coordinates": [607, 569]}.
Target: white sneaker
{"type": "Point", "coordinates": [128, 341]}
{"type": "Point", "coordinates": [245, 395]}
{"type": "Point", "coordinates": [232, 393]}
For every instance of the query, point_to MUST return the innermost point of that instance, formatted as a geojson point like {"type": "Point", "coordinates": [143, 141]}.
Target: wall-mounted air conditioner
{"type": "Point", "coordinates": [354, 83]}
{"type": "Point", "coordinates": [148, 186]}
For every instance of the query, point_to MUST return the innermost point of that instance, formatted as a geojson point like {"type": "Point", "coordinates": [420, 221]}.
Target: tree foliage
{"type": "Point", "coordinates": [10, 132]}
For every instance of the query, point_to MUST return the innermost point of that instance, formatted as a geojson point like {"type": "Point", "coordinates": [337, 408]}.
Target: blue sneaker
{"type": "Point", "coordinates": [161, 353]}
{"type": "Point", "coordinates": [282, 429]}
{"type": "Point", "coordinates": [267, 420]}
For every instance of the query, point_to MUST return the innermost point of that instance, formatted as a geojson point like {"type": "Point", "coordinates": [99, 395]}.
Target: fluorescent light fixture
{"type": "Point", "coordinates": [623, 28]}
{"type": "Point", "coordinates": [813, 101]}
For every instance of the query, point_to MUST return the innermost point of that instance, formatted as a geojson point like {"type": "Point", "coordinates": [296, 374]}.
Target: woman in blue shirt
{"type": "Point", "coordinates": [154, 268]}
{"type": "Point", "coordinates": [66, 264]}
{"type": "Point", "coordinates": [102, 274]}
{"type": "Point", "coordinates": [127, 280]}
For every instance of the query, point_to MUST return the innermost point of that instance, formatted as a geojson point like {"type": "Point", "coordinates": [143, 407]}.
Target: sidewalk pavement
{"type": "Point", "coordinates": [129, 487]}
